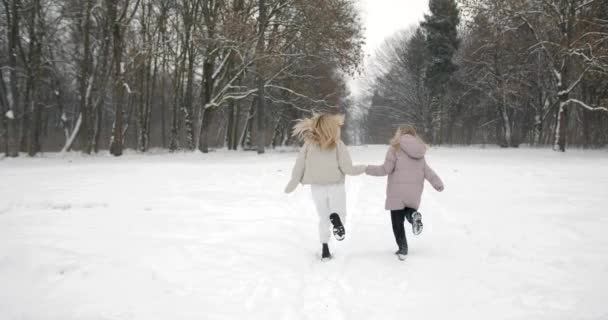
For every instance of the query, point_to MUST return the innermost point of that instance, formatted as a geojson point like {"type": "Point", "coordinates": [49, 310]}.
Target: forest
{"type": "Point", "coordinates": [504, 72]}
{"type": "Point", "coordinates": [92, 75]}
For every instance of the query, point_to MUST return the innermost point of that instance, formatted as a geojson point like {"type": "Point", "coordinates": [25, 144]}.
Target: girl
{"type": "Point", "coordinates": [322, 163]}
{"type": "Point", "coordinates": [406, 169]}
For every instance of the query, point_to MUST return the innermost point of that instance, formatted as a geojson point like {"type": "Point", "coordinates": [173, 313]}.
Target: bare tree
{"type": "Point", "coordinates": [168, 73]}
{"type": "Point", "coordinates": [12, 13]}
{"type": "Point", "coordinates": [118, 20]}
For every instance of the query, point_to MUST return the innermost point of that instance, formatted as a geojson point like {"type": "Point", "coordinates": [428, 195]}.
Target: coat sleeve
{"type": "Point", "coordinates": [298, 170]}
{"type": "Point", "coordinates": [346, 164]}
{"type": "Point", "coordinates": [384, 169]}
{"type": "Point", "coordinates": [432, 177]}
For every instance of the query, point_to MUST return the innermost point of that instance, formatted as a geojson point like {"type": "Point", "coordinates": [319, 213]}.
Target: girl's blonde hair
{"type": "Point", "coordinates": [320, 129]}
{"type": "Point", "coordinates": [401, 131]}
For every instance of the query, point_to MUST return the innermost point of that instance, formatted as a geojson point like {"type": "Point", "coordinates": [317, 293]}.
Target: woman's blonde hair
{"type": "Point", "coordinates": [320, 129]}
{"type": "Point", "coordinates": [401, 131]}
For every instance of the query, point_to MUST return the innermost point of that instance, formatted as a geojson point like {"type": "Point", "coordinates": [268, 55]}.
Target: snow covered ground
{"type": "Point", "coordinates": [518, 234]}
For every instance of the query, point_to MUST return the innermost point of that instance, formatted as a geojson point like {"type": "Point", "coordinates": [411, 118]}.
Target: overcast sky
{"type": "Point", "coordinates": [382, 18]}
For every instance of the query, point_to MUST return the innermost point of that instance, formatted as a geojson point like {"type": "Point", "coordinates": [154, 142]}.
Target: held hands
{"type": "Point", "coordinates": [364, 169]}
{"type": "Point", "coordinates": [291, 186]}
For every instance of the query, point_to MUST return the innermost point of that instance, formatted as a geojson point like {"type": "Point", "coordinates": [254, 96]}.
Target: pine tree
{"type": "Point", "coordinates": [442, 42]}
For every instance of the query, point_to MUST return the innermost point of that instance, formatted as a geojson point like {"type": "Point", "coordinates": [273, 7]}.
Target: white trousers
{"type": "Point", "coordinates": [328, 199]}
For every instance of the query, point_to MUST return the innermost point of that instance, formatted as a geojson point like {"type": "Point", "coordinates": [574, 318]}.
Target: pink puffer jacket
{"type": "Point", "coordinates": [406, 169]}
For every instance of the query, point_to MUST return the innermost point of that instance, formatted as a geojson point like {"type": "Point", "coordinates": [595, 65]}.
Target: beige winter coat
{"type": "Point", "coordinates": [317, 166]}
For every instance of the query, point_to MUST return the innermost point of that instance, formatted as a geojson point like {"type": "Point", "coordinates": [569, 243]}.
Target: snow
{"type": "Point", "coordinates": [126, 87]}
{"type": "Point", "coordinates": [10, 115]}
{"type": "Point", "coordinates": [72, 136]}
{"type": "Point", "coordinates": [220, 67]}
{"type": "Point", "coordinates": [518, 234]}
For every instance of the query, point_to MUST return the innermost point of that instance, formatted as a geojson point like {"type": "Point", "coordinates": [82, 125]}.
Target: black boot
{"type": "Point", "coordinates": [402, 252]}
{"type": "Point", "coordinates": [339, 231]}
{"type": "Point", "coordinates": [325, 255]}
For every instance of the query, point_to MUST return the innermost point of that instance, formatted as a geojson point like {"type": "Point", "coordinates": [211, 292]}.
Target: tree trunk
{"type": "Point", "coordinates": [506, 127]}
{"type": "Point", "coordinates": [3, 118]}
{"type": "Point", "coordinates": [149, 104]}
{"type": "Point", "coordinates": [230, 125]}
{"type": "Point", "coordinates": [116, 140]}
{"type": "Point", "coordinates": [163, 103]}
{"type": "Point", "coordinates": [97, 131]}
{"type": "Point", "coordinates": [130, 108]}
{"type": "Point", "coordinates": [260, 114]}
{"type": "Point", "coordinates": [560, 131]}
{"type": "Point", "coordinates": [219, 142]}
{"type": "Point", "coordinates": [71, 137]}
{"type": "Point", "coordinates": [188, 101]}
{"type": "Point", "coordinates": [245, 140]}
{"type": "Point", "coordinates": [25, 117]}
{"type": "Point", "coordinates": [12, 90]}
{"type": "Point", "coordinates": [85, 80]}
{"type": "Point", "coordinates": [567, 28]}
{"type": "Point", "coordinates": [538, 130]}
{"type": "Point", "coordinates": [163, 81]}
{"type": "Point", "coordinates": [35, 47]}
{"type": "Point", "coordinates": [233, 125]}
{"type": "Point", "coordinates": [562, 124]}
{"type": "Point", "coordinates": [142, 78]}
{"type": "Point", "coordinates": [150, 69]}
{"type": "Point", "coordinates": [235, 129]}
{"type": "Point", "coordinates": [278, 130]}
{"type": "Point", "coordinates": [178, 83]}
{"type": "Point", "coordinates": [261, 121]}
{"type": "Point", "coordinates": [208, 115]}
{"type": "Point", "coordinates": [104, 71]}
{"type": "Point", "coordinates": [207, 112]}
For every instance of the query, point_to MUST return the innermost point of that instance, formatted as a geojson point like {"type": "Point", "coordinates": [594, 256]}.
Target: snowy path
{"type": "Point", "coordinates": [518, 234]}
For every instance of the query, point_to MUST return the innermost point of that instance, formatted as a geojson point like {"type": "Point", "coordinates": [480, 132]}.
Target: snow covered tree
{"type": "Point", "coordinates": [118, 17]}
{"type": "Point", "coordinates": [441, 29]}
{"type": "Point", "coordinates": [525, 72]}
{"type": "Point", "coordinates": [442, 42]}
{"type": "Point", "coordinates": [570, 34]}
{"type": "Point", "coordinates": [142, 73]}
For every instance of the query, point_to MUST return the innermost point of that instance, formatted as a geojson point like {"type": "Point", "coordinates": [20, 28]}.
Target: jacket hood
{"type": "Point", "coordinates": [413, 147]}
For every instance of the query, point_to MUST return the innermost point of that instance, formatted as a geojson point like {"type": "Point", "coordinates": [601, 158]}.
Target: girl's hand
{"type": "Point", "coordinates": [291, 186]}
{"type": "Point", "coordinates": [439, 188]}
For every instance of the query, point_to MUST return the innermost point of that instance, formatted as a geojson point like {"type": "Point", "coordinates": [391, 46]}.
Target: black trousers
{"type": "Point", "coordinates": [398, 217]}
